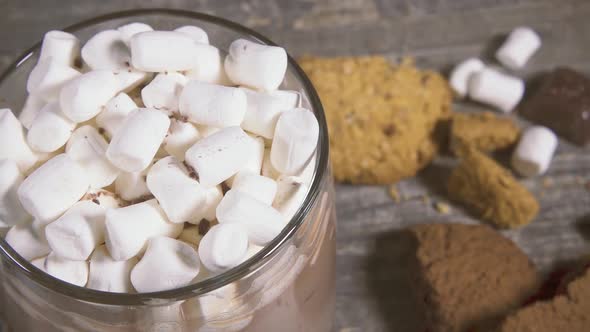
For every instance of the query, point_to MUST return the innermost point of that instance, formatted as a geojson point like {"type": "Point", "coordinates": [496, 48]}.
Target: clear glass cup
{"type": "Point", "coordinates": [287, 286]}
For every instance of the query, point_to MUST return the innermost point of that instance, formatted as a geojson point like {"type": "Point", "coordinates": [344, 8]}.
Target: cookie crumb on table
{"type": "Point", "coordinates": [484, 131]}
{"type": "Point", "coordinates": [382, 119]}
{"type": "Point", "coordinates": [393, 193]}
{"type": "Point", "coordinates": [442, 208]}
{"type": "Point", "coordinates": [491, 191]}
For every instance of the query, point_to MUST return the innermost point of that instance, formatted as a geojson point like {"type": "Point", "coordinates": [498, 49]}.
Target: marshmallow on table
{"type": "Point", "coordinates": [114, 113]}
{"type": "Point", "coordinates": [213, 105]}
{"type": "Point", "coordinates": [518, 48]}
{"type": "Point", "coordinates": [197, 34]}
{"type": "Point", "coordinates": [223, 247]}
{"type": "Point", "coordinates": [219, 156]}
{"type": "Point", "coordinates": [83, 98]}
{"type": "Point", "coordinates": [48, 77]}
{"type": "Point", "coordinates": [53, 188]}
{"type": "Point", "coordinates": [132, 185]}
{"type": "Point", "coordinates": [166, 264]}
{"type": "Point", "coordinates": [260, 187]}
{"type": "Point", "coordinates": [50, 130]}
{"type": "Point", "coordinates": [254, 163]}
{"type": "Point", "coordinates": [262, 222]}
{"type": "Point", "coordinates": [28, 242]}
{"type": "Point", "coordinates": [179, 195]}
{"type": "Point", "coordinates": [268, 169]}
{"type": "Point", "coordinates": [208, 66]}
{"type": "Point", "coordinates": [534, 151]}
{"type": "Point", "coordinates": [264, 109]}
{"type": "Point", "coordinates": [63, 47]}
{"type": "Point", "coordinates": [129, 30]}
{"type": "Point", "coordinates": [295, 140]}
{"type": "Point", "coordinates": [18, 150]}
{"type": "Point", "coordinates": [11, 210]}
{"type": "Point", "coordinates": [291, 192]}
{"type": "Point", "coordinates": [492, 87]}
{"type": "Point", "coordinates": [104, 198]}
{"type": "Point", "coordinates": [160, 51]}
{"type": "Point", "coordinates": [135, 144]}
{"type": "Point", "coordinates": [462, 73]}
{"type": "Point", "coordinates": [77, 232]}
{"type": "Point", "coordinates": [131, 79]}
{"type": "Point", "coordinates": [106, 50]}
{"type": "Point", "coordinates": [163, 91]}
{"type": "Point", "coordinates": [32, 107]}
{"type": "Point", "coordinates": [109, 275]}
{"type": "Point", "coordinates": [255, 65]}
{"type": "Point", "coordinates": [88, 148]}
{"type": "Point", "coordinates": [128, 229]}
{"type": "Point", "coordinates": [74, 272]}
{"type": "Point", "coordinates": [180, 138]}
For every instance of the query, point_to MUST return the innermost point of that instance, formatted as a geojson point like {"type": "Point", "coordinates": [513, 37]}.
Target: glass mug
{"type": "Point", "coordinates": [287, 286]}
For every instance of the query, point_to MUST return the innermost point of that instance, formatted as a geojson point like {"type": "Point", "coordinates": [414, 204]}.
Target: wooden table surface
{"type": "Point", "coordinates": [371, 294]}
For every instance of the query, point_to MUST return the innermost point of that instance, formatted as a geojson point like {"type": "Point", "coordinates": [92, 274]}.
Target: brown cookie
{"type": "Point", "coordinates": [568, 312]}
{"type": "Point", "coordinates": [483, 131]}
{"type": "Point", "coordinates": [381, 118]}
{"type": "Point", "coordinates": [491, 191]}
{"type": "Point", "coordinates": [469, 276]}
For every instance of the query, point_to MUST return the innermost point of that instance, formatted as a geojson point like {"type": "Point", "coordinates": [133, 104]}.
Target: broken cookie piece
{"type": "Point", "coordinates": [491, 191]}
{"type": "Point", "coordinates": [483, 131]}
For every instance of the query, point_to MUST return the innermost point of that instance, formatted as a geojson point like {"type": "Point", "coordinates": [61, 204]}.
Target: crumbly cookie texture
{"type": "Point", "coordinates": [565, 312]}
{"type": "Point", "coordinates": [469, 276]}
{"type": "Point", "coordinates": [483, 131]}
{"type": "Point", "coordinates": [491, 191]}
{"type": "Point", "coordinates": [381, 118]}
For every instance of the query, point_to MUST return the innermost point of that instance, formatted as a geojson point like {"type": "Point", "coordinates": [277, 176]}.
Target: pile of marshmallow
{"type": "Point", "coordinates": [159, 162]}
{"type": "Point", "coordinates": [503, 91]}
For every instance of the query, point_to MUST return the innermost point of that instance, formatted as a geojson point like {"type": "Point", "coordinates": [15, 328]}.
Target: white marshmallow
{"type": "Point", "coordinates": [217, 157]}
{"type": "Point", "coordinates": [32, 107]}
{"type": "Point", "coordinates": [223, 309]}
{"type": "Point", "coordinates": [88, 148]}
{"type": "Point", "coordinates": [77, 232]}
{"type": "Point", "coordinates": [223, 247]}
{"type": "Point", "coordinates": [131, 79]}
{"type": "Point", "coordinates": [291, 192]}
{"type": "Point", "coordinates": [255, 65]}
{"type": "Point", "coordinates": [108, 275]}
{"type": "Point", "coordinates": [179, 195]}
{"type": "Point", "coordinates": [192, 234]}
{"type": "Point", "coordinates": [84, 97]}
{"type": "Point", "coordinates": [197, 34]}
{"type": "Point", "coordinates": [132, 186]}
{"type": "Point", "coordinates": [18, 150]}
{"type": "Point", "coordinates": [129, 30]}
{"type": "Point", "coordinates": [213, 196]}
{"type": "Point", "coordinates": [39, 263]}
{"type": "Point", "coordinates": [497, 89]}
{"type": "Point", "coordinates": [262, 222]}
{"type": "Point", "coordinates": [27, 242]}
{"type": "Point", "coordinates": [534, 151]}
{"type": "Point", "coordinates": [208, 66]}
{"type": "Point", "coordinates": [252, 250]}
{"type": "Point", "coordinates": [206, 131]}
{"type": "Point", "coordinates": [63, 47]}
{"type": "Point", "coordinates": [213, 105]}
{"type": "Point", "coordinates": [260, 187]}
{"type": "Point", "coordinates": [135, 144]}
{"type": "Point", "coordinates": [254, 163]}
{"type": "Point", "coordinates": [48, 77]}
{"type": "Point", "coordinates": [104, 198]}
{"type": "Point", "coordinates": [518, 48]}
{"type": "Point", "coordinates": [180, 138]}
{"type": "Point", "coordinates": [264, 109]}
{"type": "Point", "coordinates": [295, 140]}
{"type": "Point", "coordinates": [53, 188]}
{"type": "Point", "coordinates": [106, 50]}
{"type": "Point", "coordinates": [461, 74]}
{"type": "Point", "coordinates": [160, 51]}
{"type": "Point", "coordinates": [268, 169]}
{"type": "Point", "coordinates": [128, 229]}
{"type": "Point", "coordinates": [166, 264]}
{"type": "Point", "coordinates": [114, 113]}
{"type": "Point", "coordinates": [306, 175]}
{"type": "Point", "coordinates": [74, 272]}
{"type": "Point", "coordinates": [163, 92]}
{"type": "Point", "coordinates": [50, 130]}
{"type": "Point", "coordinates": [11, 211]}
